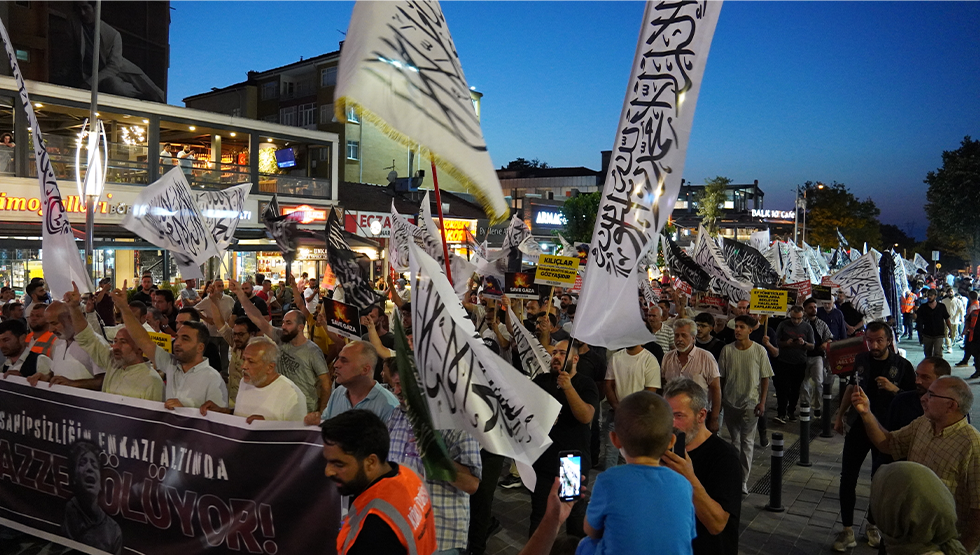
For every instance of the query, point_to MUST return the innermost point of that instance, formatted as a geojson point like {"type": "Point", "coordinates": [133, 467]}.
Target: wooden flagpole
{"type": "Point", "coordinates": [442, 226]}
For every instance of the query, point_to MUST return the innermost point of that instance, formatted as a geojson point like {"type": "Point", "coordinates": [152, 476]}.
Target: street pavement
{"type": "Point", "coordinates": [810, 522]}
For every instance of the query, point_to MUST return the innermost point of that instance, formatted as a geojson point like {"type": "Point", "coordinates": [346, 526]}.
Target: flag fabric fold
{"type": "Point", "coordinates": [748, 264]}
{"type": "Point", "coordinates": [466, 385]}
{"type": "Point", "coordinates": [920, 263]}
{"type": "Point", "coordinates": [62, 263]}
{"type": "Point", "coordinates": [461, 268]}
{"type": "Point", "coordinates": [535, 359]}
{"type": "Point", "coordinates": [759, 240]}
{"type": "Point", "coordinates": [681, 265]}
{"type": "Point", "coordinates": [222, 210]}
{"type": "Point", "coordinates": [166, 214]}
{"type": "Point", "coordinates": [343, 263]}
{"type": "Point", "coordinates": [400, 71]}
{"type": "Point", "coordinates": [403, 232]}
{"type": "Point", "coordinates": [861, 280]}
{"type": "Point", "coordinates": [282, 229]}
{"type": "Point", "coordinates": [644, 174]}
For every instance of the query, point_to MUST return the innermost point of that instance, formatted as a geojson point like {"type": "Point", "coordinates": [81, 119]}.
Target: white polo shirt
{"type": "Point", "coordinates": [194, 387]}
{"type": "Point", "coordinates": [280, 400]}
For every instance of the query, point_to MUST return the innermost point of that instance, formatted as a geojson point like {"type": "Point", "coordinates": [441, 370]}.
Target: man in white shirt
{"type": "Point", "coordinates": [312, 296]}
{"type": "Point", "coordinates": [693, 362]}
{"type": "Point", "coordinates": [126, 373]}
{"type": "Point", "coordinates": [628, 371]}
{"type": "Point", "coordinates": [70, 364]}
{"type": "Point", "coordinates": [191, 381]}
{"type": "Point", "coordinates": [226, 304]}
{"type": "Point", "coordinates": [264, 394]}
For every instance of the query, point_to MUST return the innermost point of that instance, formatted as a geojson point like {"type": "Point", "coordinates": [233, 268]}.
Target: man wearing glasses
{"type": "Point", "coordinates": [942, 440]}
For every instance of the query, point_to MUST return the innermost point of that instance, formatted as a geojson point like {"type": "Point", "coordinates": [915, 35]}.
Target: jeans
{"type": "Point", "coordinates": [813, 382]}
{"type": "Point", "coordinates": [741, 424]}
{"type": "Point", "coordinates": [481, 502]}
{"type": "Point", "coordinates": [595, 441]}
{"type": "Point", "coordinates": [789, 378]}
{"type": "Point", "coordinates": [611, 458]}
{"type": "Point", "coordinates": [856, 448]}
{"type": "Point", "coordinates": [907, 325]}
{"type": "Point", "coordinates": [933, 345]}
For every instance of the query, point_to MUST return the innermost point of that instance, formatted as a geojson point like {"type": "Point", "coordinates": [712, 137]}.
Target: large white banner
{"type": "Point", "coordinates": [645, 172]}
{"type": "Point", "coordinates": [222, 210]}
{"type": "Point", "coordinates": [62, 264]}
{"type": "Point", "coordinates": [400, 71]}
{"type": "Point", "coordinates": [403, 232]}
{"type": "Point", "coordinates": [863, 283]}
{"type": "Point", "coordinates": [166, 215]}
{"type": "Point", "coordinates": [467, 386]}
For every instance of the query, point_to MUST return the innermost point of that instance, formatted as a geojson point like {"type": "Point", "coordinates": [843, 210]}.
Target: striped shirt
{"type": "Point", "coordinates": [953, 454]}
{"type": "Point", "coordinates": [450, 506]}
{"type": "Point", "coordinates": [665, 337]}
{"type": "Point", "coordinates": [700, 367]}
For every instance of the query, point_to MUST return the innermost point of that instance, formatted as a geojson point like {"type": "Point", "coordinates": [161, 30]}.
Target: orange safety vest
{"type": "Point", "coordinates": [403, 503]}
{"type": "Point", "coordinates": [908, 303]}
{"type": "Point", "coordinates": [44, 343]}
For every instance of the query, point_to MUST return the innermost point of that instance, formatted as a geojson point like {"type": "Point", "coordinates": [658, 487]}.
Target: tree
{"type": "Point", "coordinates": [892, 237]}
{"type": "Point", "coordinates": [953, 199]}
{"type": "Point", "coordinates": [833, 207]}
{"type": "Point", "coordinates": [522, 164]}
{"type": "Point", "coordinates": [580, 213]}
{"type": "Point", "coordinates": [711, 202]}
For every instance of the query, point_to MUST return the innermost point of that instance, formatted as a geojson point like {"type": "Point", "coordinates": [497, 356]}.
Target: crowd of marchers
{"type": "Point", "coordinates": [647, 418]}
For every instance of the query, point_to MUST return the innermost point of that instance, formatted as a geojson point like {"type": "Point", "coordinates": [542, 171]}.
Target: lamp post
{"type": "Point", "coordinates": [92, 131]}
{"type": "Point", "coordinates": [801, 203]}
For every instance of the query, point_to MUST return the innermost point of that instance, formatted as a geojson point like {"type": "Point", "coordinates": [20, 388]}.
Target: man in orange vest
{"type": "Point", "coordinates": [908, 313]}
{"type": "Point", "coordinates": [41, 339]}
{"type": "Point", "coordinates": [389, 511]}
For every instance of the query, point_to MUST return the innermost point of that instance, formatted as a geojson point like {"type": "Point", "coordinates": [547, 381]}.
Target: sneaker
{"type": "Point", "coordinates": [793, 418]}
{"type": "Point", "coordinates": [494, 526]}
{"type": "Point", "coordinates": [976, 375]}
{"type": "Point", "coordinates": [961, 364]}
{"type": "Point", "coordinates": [764, 441]}
{"type": "Point", "coordinates": [511, 482]}
{"type": "Point", "coordinates": [780, 419]}
{"type": "Point", "coordinates": [816, 413]}
{"type": "Point", "coordinates": [845, 540]}
{"type": "Point", "coordinates": [874, 535]}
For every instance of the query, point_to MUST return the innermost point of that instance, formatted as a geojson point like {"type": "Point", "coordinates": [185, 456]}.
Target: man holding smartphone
{"type": "Point", "coordinates": [578, 396]}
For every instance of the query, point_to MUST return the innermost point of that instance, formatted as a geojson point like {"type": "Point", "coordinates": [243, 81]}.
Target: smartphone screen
{"type": "Point", "coordinates": [679, 446]}
{"type": "Point", "coordinates": [569, 475]}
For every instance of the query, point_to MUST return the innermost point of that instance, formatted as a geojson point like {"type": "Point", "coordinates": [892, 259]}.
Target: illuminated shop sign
{"type": "Point", "coordinates": [304, 213]}
{"type": "Point", "coordinates": [774, 214]}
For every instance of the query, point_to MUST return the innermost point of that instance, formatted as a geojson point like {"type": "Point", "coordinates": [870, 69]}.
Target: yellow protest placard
{"type": "Point", "coordinates": [556, 271]}
{"type": "Point", "coordinates": [769, 302]}
{"type": "Point", "coordinates": [162, 339]}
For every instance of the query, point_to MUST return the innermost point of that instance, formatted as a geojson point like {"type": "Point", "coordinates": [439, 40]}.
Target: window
{"type": "Point", "coordinates": [353, 150]}
{"type": "Point", "coordinates": [23, 55]}
{"type": "Point", "coordinates": [328, 76]}
{"type": "Point", "coordinates": [274, 118]}
{"type": "Point", "coordinates": [326, 114]}
{"type": "Point", "coordinates": [287, 116]}
{"type": "Point", "coordinates": [352, 115]}
{"type": "Point", "coordinates": [236, 112]}
{"type": "Point", "coordinates": [307, 115]}
{"type": "Point", "coordinates": [321, 154]}
{"type": "Point", "coordinates": [288, 89]}
{"type": "Point", "coordinates": [270, 90]}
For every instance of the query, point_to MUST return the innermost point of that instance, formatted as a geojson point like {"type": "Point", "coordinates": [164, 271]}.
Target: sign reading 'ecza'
{"type": "Point", "coordinates": [769, 302]}
{"type": "Point", "coordinates": [556, 271]}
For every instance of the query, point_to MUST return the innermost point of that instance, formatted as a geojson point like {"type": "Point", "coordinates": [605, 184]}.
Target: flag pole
{"type": "Point", "coordinates": [442, 226]}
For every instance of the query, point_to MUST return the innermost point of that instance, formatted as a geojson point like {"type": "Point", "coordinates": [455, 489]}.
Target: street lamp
{"type": "Point", "coordinates": [801, 203]}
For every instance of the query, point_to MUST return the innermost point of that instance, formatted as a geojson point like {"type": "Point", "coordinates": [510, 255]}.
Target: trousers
{"type": "Point", "coordinates": [481, 502]}
{"type": "Point", "coordinates": [741, 424]}
{"type": "Point", "coordinates": [813, 382]}
{"type": "Point", "coordinates": [789, 378]}
{"type": "Point", "coordinates": [933, 345]}
{"type": "Point", "coordinates": [856, 448]}
{"type": "Point", "coordinates": [539, 500]}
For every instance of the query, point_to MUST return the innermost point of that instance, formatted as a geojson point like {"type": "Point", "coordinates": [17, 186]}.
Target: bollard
{"type": "Point", "coordinates": [825, 414]}
{"type": "Point", "coordinates": [804, 436]}
{"type": "Point", "coordinates": [776, 472]}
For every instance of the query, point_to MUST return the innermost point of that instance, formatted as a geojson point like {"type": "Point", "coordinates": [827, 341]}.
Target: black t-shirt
{"type": "Point", "coordinates": [932, 321]}
{"type": "Point", "coordinates": [726, 335]}
{"type": "Point", "coordinates": [714, 346]}
{"type": "Point", "coordinates": [898, 371]}
{"type": "Point", "coordinates": [213, 354]}
{"type": "Point", "coordinates": [388, 339]}
{"type": "Point", "coordinates": [656, 350]}
{"type": "Point", "coordinates": [143, 297]}
{"type": "Point", "coordinates": [904, 408]}
{"type": "Point", "coordinates": [851, 315]}
{"type": "Point", "coordinates": [717, 468]}
{"type": "Point", "coordinates": [757, 334]}
{"type": "Point", "coordinates": [593, 365]}
{"type": "Point", "coordinates": [568, 434]}
{"type": "Point", "coordinates": [237, 310]}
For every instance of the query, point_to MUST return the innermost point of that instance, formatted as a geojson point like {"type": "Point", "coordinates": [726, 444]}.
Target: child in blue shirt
{"type": "Point", "coordinates": [641, 507]}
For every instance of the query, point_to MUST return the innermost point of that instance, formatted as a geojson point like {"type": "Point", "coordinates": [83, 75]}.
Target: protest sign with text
{"type": "Point", "coordinates": [770, 302]}
{"type": "Point", "coordinates": [343, 319]}
{"type": "Point", "coordinates": [520, 285]}
{"type": "Point", "coordinates": [556, 271]}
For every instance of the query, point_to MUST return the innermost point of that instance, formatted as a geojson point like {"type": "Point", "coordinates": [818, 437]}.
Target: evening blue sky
{"type": "Point", "coordinates": [864, 93]}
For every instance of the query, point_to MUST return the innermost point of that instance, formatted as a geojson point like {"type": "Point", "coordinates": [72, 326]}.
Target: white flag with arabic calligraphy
{"type": "Point", "coordinates": [467, 386]}
{"type": "Point", "coordinates": [400, 71]}
{"type": "Point", "coordinates": [647, 163]}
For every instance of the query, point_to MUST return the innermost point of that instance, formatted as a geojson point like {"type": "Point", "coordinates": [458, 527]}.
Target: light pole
{"type": "Point", "coordinates": [91, 188]}
{"type": "Point", "coordinates": [801, 202]}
